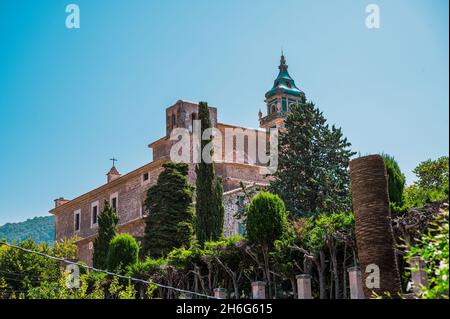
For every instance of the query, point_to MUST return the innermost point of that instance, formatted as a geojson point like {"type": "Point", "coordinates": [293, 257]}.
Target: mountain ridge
{"type": "Point", "coordinates": [40, 229]}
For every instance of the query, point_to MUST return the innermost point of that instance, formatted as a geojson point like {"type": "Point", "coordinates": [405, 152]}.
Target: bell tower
{"type": "Point", "coordinates": [281, 97]}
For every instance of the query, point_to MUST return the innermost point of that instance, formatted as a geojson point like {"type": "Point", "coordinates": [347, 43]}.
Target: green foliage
{"type": "Point", "coordinates": [313, 159]}
{"type": "Point", "coordinates": [417, 196]}
{"type": "Point", "coordinates": [431, 185]}
{"type": "Point", "coordinates": [433, 250]}
{"type": "Point", "coordinates": [21, 271]}
{"type": "Point", "coordinates": [169, 222]}
{"type": "Point", "coordinates": [396, 180]}
{"type": "Point", "coordinates": [317, 230]}
{"type": "Point", "coordinates": [123, 252]}
{"type": "Point", "coordinates": [209, 203]}
{"type": "Point", "coordinates": [40, 229]}
{"type": "Point", "coordinates": [91, 287]}
{"type": "Point", "coordinates": [119, 291]}
{"type": "Point", "coordinates": [398, 209]}
{"type": "Point", "coordinates": [107, 223]}
{"type": "Point", "coordinates": [433, 174]}
{"type": "Point", "coordinates": [266, 219]}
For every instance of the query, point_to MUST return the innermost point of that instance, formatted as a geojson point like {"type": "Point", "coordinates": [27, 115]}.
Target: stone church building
{"type": "Point", "coordinates": [126, 193]}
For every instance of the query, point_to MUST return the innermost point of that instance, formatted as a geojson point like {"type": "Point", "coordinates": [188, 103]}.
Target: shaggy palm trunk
{"type": "Point", "coordinates": [373, 227]}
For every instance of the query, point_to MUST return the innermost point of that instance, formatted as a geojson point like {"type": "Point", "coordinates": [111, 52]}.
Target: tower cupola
{"type": "Point", "coordinates": [280, 98]}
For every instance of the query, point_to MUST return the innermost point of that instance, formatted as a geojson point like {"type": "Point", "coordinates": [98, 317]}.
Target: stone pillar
{"type": "Point", "coordinates": [355, 281]}
{"type": "Point", "coordinates": [418, 274]}
{"type": "Point", "coordinates": [220, 293]}
{"type": "Point", "coordinates": [259, 290]}
{"type": "Point", "coordinates": [304, 286]}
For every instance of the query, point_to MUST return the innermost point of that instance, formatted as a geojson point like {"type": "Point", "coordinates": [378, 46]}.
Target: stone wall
{"type": "Point", "coordinates": [232, 200]}
{"type": "Point", "coordinates": [131, 190]}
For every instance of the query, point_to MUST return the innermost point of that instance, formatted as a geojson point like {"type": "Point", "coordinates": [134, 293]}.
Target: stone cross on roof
{"type": "Point", "coordinates": [114, 160]}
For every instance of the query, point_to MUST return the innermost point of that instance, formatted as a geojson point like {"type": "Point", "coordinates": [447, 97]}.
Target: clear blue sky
{"type": "Point", "coordinates": [70, 99]}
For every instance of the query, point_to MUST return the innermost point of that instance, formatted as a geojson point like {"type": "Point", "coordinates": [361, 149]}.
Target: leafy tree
{"type": "Point", "coordinates": [209, 206]}
{"type": "Point", "coordinates": [312, 175]}
{"type": "Point", "coordinates": [230, 256]}
{"type": "Point", "coordinates": [21, 271]}
{"type": "Point", "coordinates": [266, 223]}
{"type": "Point", "coordinates": [123, 252]}
{"type": "Point", "coordinates": [107, 223]}
{"type": "Point", "coordinates": [433, 174]}
{"type": "Point", "coordinates": [327, 237]}
{"type": "Point", "coordinates": [396, 180]}
{"type": "Point", "coordinates": [169, 222]}
{"type": "Point", "coordinates": [431, 185]}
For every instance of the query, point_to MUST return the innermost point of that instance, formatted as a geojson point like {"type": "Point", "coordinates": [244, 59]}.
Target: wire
{"type": "Point", "coordinates": [22, 280]}
{"type": "Point", "coordinates": [28, 275]}
{"type": "Point", "coordinates": [106, 272]}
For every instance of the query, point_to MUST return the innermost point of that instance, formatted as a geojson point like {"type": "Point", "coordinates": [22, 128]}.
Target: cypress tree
{"type": "Point", "coordinates": [209, 214]}
{"type": "Point", "coordinates": [170, 215]}
{"type": "Point", "coordinates": [219, 211]}
{"type": "Point", "coordinates": [107, 223]}
{"type": "Point", "coordinates": [396, 180]}
{"type": "Point", "coordinates": [313, 160]}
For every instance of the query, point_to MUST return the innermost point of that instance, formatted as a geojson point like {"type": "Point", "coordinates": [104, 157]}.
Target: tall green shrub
{"type": "Point", "coordinates": [266, 219]}
{"type": "Point", "coordinates": [107, 223]}
{"type": "Point", "coordinates": [169, 222]}
{"type": "Point", "coordinates": [123, 251]}
{"type": "Point", "coordinates": [266, 223]}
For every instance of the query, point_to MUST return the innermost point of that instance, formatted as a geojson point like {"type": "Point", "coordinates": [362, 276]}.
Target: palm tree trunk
{"type": "Point", "coordinates": [373, 225]}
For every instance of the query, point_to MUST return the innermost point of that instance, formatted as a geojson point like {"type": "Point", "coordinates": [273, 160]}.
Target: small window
{"type": "Point", "coordinates": [145, 177]}
{"type": "Point", "coordinates": [114, 200]}
{"type": "Point", "coordinates": [94, 215]}
{"type": "Point", "coordinates": [77, 220]}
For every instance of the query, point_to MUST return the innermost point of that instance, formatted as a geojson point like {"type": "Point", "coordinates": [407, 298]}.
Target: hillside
{"type": "Point", "coordinates": [41, 229]}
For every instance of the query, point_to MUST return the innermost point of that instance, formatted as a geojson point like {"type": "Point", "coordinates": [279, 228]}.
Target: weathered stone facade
{"type": "Point", "coordinates": [130, 190]}
{"type": "Point", "coordinates": [236, 161]}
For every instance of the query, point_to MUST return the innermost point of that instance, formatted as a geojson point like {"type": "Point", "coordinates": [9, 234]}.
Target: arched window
{"type": "Point", "coordinates": [274, 108]}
